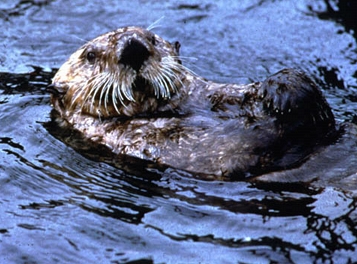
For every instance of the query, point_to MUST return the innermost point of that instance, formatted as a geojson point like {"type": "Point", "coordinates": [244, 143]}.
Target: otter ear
{"type": "Point", "coordinates": [57, 89]}
{"type": "Point", "coordinates": [177, 47]}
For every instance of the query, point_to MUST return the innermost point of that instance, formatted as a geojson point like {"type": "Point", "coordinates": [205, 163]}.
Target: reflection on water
{"type": "Point", "coordinates": [67, 200]}
{"type": "Point", "coordinates": [77, 195]}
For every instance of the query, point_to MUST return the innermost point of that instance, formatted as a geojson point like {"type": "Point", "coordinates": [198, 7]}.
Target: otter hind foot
{"type": "Point", "coordinates": [295, 100]}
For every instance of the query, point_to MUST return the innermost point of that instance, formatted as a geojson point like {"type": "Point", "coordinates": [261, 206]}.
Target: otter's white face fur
{"type": "Point", "coordinates": [182, 120]}
{"type": "Point", "coordinates": [124, 72]}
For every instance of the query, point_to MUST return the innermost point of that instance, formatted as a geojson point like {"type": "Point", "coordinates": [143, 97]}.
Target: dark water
{"type": "Point", "coordinates": [62, 205]}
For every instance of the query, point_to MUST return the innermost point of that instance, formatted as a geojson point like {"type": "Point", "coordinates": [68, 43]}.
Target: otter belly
{"type": "Point", "coordinates": [129, 91]}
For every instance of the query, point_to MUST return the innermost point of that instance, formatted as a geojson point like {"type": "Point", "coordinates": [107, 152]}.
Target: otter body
{"type": "Point", "coordinates": [128, 89]}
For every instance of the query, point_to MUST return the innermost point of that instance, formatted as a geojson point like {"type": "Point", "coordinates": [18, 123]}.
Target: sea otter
{"type": "Point", "coordinates": [128, 89]}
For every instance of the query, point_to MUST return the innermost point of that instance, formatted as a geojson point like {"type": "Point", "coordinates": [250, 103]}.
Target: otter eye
{"type": "Point", "coordinates": [91, 57]}
{"type": "Point", "coordinates": [153, 40]}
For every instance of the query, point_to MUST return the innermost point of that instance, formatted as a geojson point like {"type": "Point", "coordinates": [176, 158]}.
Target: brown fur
{"type": "Point", "coordinates": [182, 120]}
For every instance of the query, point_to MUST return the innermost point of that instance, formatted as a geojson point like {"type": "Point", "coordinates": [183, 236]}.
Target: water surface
{"type": "Point", "coordinates": [59, 204]}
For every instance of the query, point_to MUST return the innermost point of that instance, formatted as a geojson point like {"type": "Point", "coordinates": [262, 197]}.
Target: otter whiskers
{"type": "Point", "coordinates": [113, 90]}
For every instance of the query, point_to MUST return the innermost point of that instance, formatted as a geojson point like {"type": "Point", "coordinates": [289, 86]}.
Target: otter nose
{"type": "Point", "coordinates": [134, 54]}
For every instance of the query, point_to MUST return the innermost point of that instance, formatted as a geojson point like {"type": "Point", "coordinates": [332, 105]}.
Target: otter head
{"type": "Point", "coordinates": [122, 73]}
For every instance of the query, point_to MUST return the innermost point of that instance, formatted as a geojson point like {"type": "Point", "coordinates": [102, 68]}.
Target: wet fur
{"type": "Point", "coordinates": [154, 108]}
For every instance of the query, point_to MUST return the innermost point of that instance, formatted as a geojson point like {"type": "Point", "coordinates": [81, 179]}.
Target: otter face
{"type": "Point", "coordinates": [124, 72]}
